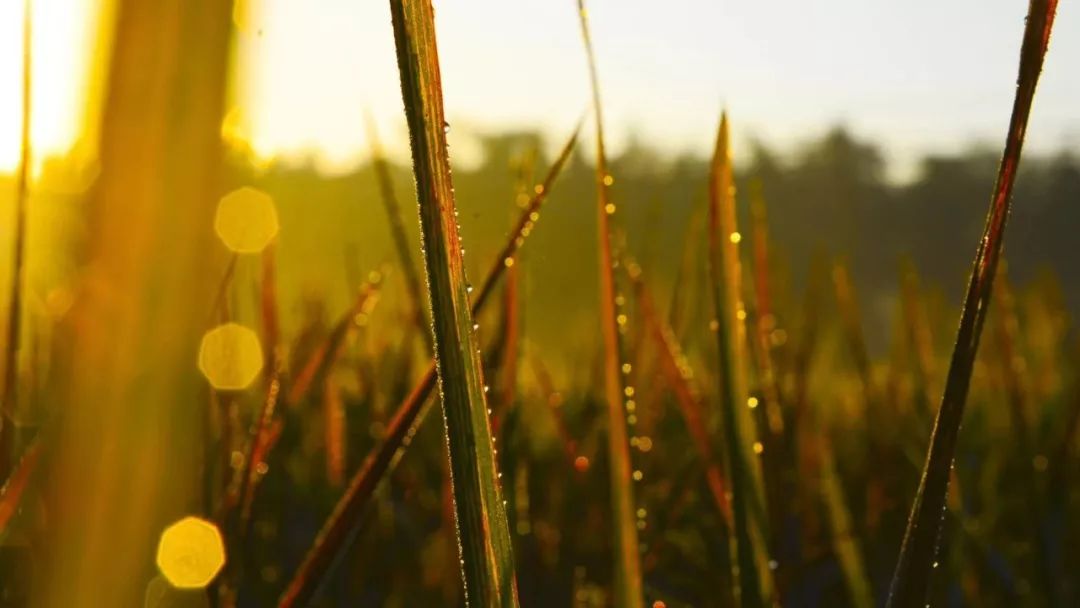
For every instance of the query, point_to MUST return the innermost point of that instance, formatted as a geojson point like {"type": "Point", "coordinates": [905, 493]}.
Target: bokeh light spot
{"type": "Point", "coordinates": [190, 553]}
{"type": "Point", "coordinates": [246, 220]}
{"type": "Point", "coordinates": [230, 356]}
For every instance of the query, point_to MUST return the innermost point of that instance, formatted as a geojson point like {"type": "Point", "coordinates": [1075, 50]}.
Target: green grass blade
{"type": "Point", "coordinates": [628, 591]}
{"type": "Point", "coordinates": [918, 554]}
{"type": "Point", "coordinates": [397, 231]}
{"type": "Point", "coordinates": [483, 535]}
{"type": "Point", "coordinates": [752, 583]}
{"type": "Point", "coordinates": [334, 536]}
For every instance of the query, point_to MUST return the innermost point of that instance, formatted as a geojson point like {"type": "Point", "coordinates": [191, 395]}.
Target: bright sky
{"type": "Point", "coordinates": [917, 75]}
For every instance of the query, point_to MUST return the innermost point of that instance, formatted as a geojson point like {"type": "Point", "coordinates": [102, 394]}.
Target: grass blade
{"type": "Point", "coordinates": [12, 492]}
{"type": "Point", "coordinates": [764, 319]}
{"type": "Point", "coordinates": [918, 554]}
{"type": "Point", "coordinates": [324, 357]}
{"type": "Point", "coordinates": [483, 535]}
{"type": "Point", "coordinates": [9, 399]}
{"type": "Point", "coordinates": [679, 377]}
{"type": "Point", "coordinates": [750, 582]}
{"type": "Point", "coordinates": [397, 231]}
{"type": "Point", "coordinates": [628, 590]}
{"type": "Point", "coordinates": [334, 536]}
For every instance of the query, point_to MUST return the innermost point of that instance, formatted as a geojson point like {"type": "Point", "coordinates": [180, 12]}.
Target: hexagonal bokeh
{"type": "Point", "coordinates": [246, 220]}
{"type": "Point", "coordinates": [190, 553]}
{"type": "Point", "coordinates": [230, 356]}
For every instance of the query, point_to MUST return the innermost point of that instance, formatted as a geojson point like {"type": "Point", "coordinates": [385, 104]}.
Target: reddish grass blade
{"type": "Point", "coordinates": [9, 399]}
{"type": "Point", "coordinates": [15, 486]}
{"type": "Point", "coordinates": [628, 591]}
{"type": "Point", "coordinates": [335, 535]}
{"type": "Point", "coordinates": [323, 358]}
{"type": "Point", "coordinates": [268, 309]}
{"type": "Point", "coordinates": [679, 377]}
{"type": "Point", "coordinates": [918, 554]}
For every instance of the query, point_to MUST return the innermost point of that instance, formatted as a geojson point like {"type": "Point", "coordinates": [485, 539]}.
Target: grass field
{"type": "Point", "coordinates": [734, 381]}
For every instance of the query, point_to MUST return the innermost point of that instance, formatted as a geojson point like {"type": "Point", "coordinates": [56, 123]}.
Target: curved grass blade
{"type": "Point", "coordinates": [752, 584]}
{"type": "Point", "coordinates": [336, 533]}
{"type": "Point", "coordinates": [918, 554]}
{"type": "Point", "coordinates": [9, 399]}
{"type": "Point", "coordinates": [628, 591]}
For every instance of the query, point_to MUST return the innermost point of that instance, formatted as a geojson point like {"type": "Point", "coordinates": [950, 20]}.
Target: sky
{"type": "Point", "coordinates": [917, 76]}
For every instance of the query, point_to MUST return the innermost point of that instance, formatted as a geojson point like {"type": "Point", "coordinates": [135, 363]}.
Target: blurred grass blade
{"type": "Point", "coordinates": [323, 358]}
{"type": "Point", "coordinates": [752, 584]}
{"type": "Point", "coordinates": [268, 299]}
{"type": "Point", "coordinates": [397, 231]}
{"type": "Point", "coordinates": [918, 554]}
{"type": "Point", "coordinates": [844, 535]}
{"type": "Point", "coordinates": [334, 536]}
{"type": "Point", "coordinates": [851, 319]}
{"type": "Point", "coordinates": [628, 591]}
{"type": "Point", "coordinates": [764, 319]}
{"type": "Point", "coordinates": [14, 488]}
{"type": "Point", "coordinates": [483, 535]}
{"type": "Point", "coordinates": [679, 377]}
{"type": "Point", "coordinates": [128, 385]}
{"type": "Point", "coordinates": [9, 398]}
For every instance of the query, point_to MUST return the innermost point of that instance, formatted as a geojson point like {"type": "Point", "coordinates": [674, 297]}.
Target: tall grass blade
{"type": "Point", "coordinates": [918, 554]}
{"type": "Point", "coordinates": [335, 534]}
{"type": "Point", "coordinates": [628, 591]}
{"type": "Point", "coordinates": [397, 231]}
{"type": "Point", "coordinates": [483, 534]}
{"type": "Point", "coordinates": [9, 398]}
{"type": "Point", "coordinates": [129, 387]}
{"type": "Point", "coordinates": [752, 584]}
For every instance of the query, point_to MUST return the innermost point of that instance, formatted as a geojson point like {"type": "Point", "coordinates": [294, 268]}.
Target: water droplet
{"type": "Point", "coordinates": [445, 127]}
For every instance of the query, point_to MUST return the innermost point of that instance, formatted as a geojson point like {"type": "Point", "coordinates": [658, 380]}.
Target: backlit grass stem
{"type": "Point", "coordinates": [627, 590]}
{"type": "Point", "coordinates": [918, 554]}
{"type": "Point", "coordinates": [483, 535]}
